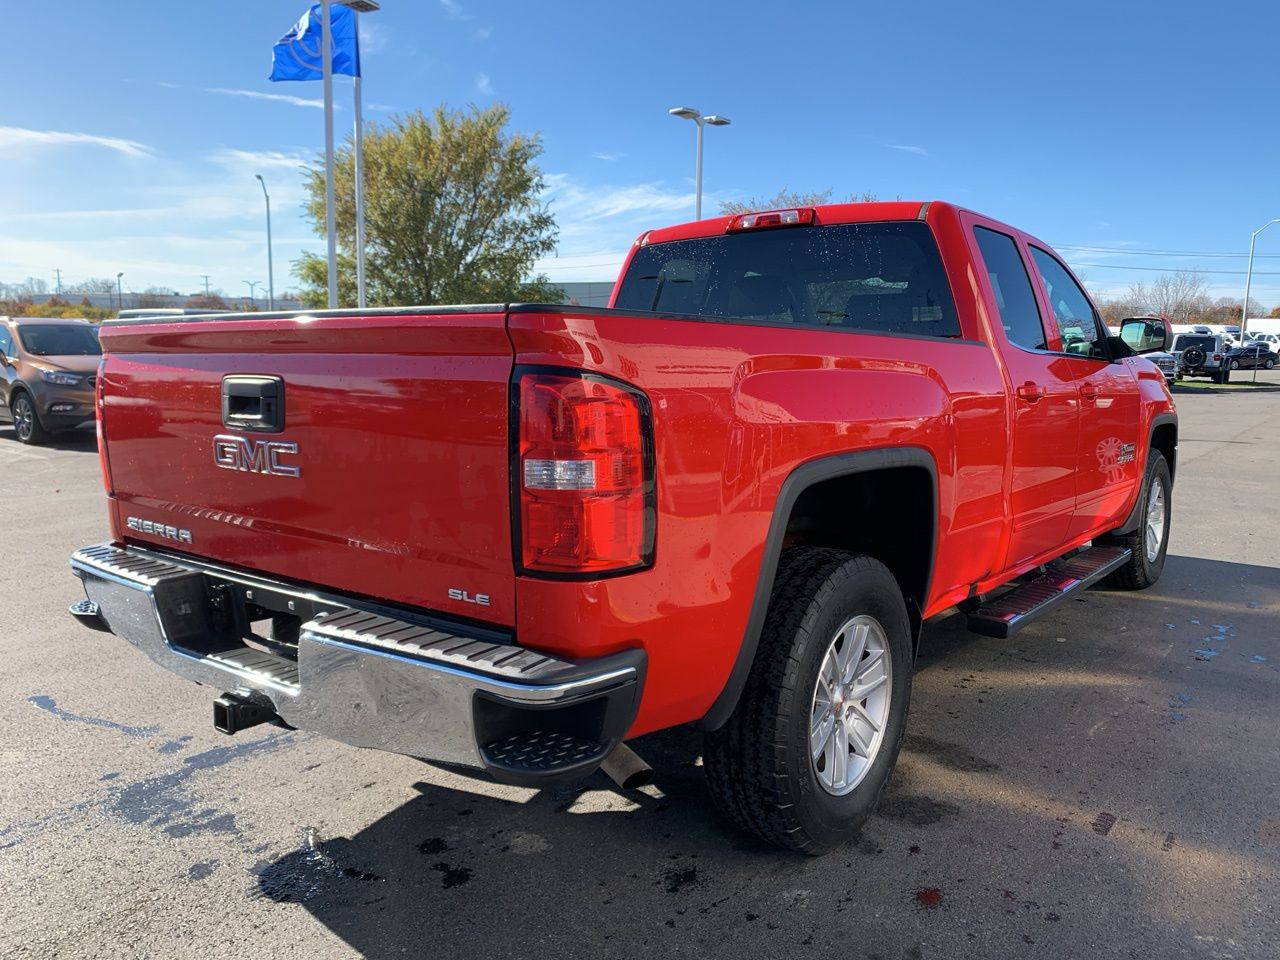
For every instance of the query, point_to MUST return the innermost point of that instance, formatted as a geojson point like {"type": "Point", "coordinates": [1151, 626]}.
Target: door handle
{"type": "Point", "coordinates": [1031, 392]}
{"type": "Point", "coordinates": [1088, 392]}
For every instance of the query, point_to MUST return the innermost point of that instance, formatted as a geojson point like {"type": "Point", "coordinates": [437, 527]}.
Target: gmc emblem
{"type": "Point", "coordinates": [255, 456]}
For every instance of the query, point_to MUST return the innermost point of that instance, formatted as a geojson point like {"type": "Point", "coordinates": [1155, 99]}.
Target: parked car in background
{"type": "Point", "coordinates": [1167, 363]}
{"type": "Point", "coordinates": [1252, 356]}
{"type": "Point", "coordinates": [1272, 340]}
{"type": "Point", "coordinates": [47, 373]}
{"type": "Point", "coordinates": [1202, 355]}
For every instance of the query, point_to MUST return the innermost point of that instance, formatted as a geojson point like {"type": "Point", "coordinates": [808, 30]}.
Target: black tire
{"type": "Point", "coordinates": [26, 419]}
{"type": "Point", "coordinates": [1141, 572]}
{"type": "Point", "coordinates": [1235, 364]}
{"type": "Point", "coordinates": [1269, 364]}
{"type": "Point", "coordinates": [758, 765]}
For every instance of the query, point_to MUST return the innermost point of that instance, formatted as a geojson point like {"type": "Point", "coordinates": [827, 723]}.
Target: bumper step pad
{"type": "Point", "coordinates": [543, 751]}
{"type": "Point", "coordinates": [1008, 613]}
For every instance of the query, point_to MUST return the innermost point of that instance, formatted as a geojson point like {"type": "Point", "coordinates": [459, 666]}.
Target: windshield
{"type": "Point", "coordinates": [59, 340]}
{"type": "Point", "coordinates": [1195, 340]}
{"type": "Point", "coordinates": [881, 277]}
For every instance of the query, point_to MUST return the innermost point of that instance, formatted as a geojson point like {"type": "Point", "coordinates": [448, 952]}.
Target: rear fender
{"type": "Point", "coordinates": [801, 479]}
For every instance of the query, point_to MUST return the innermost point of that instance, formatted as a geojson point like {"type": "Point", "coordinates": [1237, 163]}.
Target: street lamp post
{"type": "Point", "coordinates": [688, 113]}
{"type": "Point", "coordinates": [251, 284]}
{"type": "Point", "coordinates": [271, 275]}
{"type": "Point", "coordinates": [119, 292]}
{"type": "Point", "coordinates": [1248, 282]}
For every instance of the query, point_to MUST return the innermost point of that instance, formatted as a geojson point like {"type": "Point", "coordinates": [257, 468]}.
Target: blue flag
{"type": "Point", "coordinates": [297, 55]}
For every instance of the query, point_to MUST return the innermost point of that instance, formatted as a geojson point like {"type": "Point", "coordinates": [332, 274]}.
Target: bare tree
{"type": "Point", "coordinates": [1180, 296]}
{"type": "Point", "coordinates": [24, 290]}
{"type": "Point", "coordinates": [92, 285]}
{"type": "Point", "coordinates": [785, 199]}
{"type": "Point", "coordinates": [154, 297]}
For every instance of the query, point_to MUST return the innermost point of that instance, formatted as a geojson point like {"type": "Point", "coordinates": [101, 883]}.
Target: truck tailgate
{"type": "Point", "coordinates": [400, 422]}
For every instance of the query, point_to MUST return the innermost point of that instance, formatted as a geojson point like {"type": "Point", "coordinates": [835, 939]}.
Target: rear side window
{"type": "Point", "coordinates": [878, 277]}
{"type": "Point", "coordinates": [1015, 299]}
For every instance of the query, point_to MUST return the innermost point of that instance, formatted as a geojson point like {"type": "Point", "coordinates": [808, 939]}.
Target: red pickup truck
{"type": "Point", "coordinates": [511, 536]}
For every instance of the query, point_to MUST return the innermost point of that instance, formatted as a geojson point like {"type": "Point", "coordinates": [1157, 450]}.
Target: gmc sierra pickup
{"type": "Point", "coordinates": [512, 536]}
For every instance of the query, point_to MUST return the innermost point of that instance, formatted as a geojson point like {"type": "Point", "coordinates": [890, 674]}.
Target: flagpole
{"type": "Point", "coordinates": [326, 31]}
{"type": "Point", "coordinates": [360, 294]}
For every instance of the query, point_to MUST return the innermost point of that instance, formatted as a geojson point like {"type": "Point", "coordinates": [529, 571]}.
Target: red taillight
{"type": "Point", "coordinates": [103, 462]}
{"type": "Point", "coordinates": [1217, 356]}
{"type": "Point", "coordinates": [585, 475]}
{"type": "Point", "coordinates": [771, 218]}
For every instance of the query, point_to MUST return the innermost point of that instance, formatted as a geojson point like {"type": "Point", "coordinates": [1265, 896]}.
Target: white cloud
{"type": "Point", "coordinates": [483, 85]}
{"type": "Point", "coordinates": [575, 203]}
{"type": "Point", "coordinates": [454, 9]}
{"type": "Point", "coordinates": [23, 137]}
{"type": "Point", "coordinates": [608, 157]}
{"type": "Point", "coordinates": [908, 148]}
{"type": "Point", "coordinates": [373, 38]}
{"type": "Point", "coordinates": [598, 223]}
{"type": "Point", "coordinates": [257, 160]}
{"type": "Point", "coordinates": [483, 33]}
{"type": "Point", "coordinates": [278, 97]}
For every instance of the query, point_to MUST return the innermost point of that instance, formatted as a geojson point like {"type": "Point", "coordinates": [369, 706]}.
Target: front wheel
{"type": "Point", "coordinates": [1269, 364]}
{"type": "Point", "coordinates": [803, 760]}
{"type": "Point", "coordinates": [1149, 543]}
{"type": "Point", "coordinates": [1235, 364]}
{"type": "Point", "coordinates": [26, 422]}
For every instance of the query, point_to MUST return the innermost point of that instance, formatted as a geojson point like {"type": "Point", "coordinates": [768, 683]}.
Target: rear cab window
{"type": "Point", "coordinates": [885, 277]}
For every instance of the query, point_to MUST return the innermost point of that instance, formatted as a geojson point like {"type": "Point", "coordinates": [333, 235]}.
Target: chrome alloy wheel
{"type": "Point", "coordinates": [850, 705]}
{"type": "Point", "coordinates": [24, 418]}
{"type": "Point", "coordinates": [1155, 520]}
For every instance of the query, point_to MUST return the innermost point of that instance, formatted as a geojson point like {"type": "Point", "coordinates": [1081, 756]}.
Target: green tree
{"type": "Point", "coordinates": [453, 213]}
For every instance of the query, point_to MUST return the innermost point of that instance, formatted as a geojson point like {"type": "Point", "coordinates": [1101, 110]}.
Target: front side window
{"type": "Point", "coordinates": [1015, 299]}
{"type": "Point", "coordinates": [59, 340]}
{"type": "Point", "coordinates": [1077, 321]}
{"type": "Point", "coordinates": [6, 342]}
{"type": "Point", "coordinates": [876, 277]}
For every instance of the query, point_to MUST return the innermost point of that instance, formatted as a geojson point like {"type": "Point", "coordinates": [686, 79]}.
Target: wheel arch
{"type": "Point", "coordinates": [808, 510]}
{"type": "Point", "coordinates": [1163, 437]}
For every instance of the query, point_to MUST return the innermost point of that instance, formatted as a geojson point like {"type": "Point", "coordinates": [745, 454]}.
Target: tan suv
{"type": "Point", "coordinates": [47, 373]}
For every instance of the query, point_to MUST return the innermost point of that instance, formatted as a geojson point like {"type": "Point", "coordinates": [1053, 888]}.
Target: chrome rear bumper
{"type": "Point", "coordinates": [363, 675]}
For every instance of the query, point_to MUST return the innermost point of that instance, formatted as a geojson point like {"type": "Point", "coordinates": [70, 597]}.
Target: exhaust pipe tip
{"type": "Point", "coordinates": [625, 768]}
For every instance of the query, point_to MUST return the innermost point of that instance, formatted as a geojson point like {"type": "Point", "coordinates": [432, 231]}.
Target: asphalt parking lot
{"type": "Point", "coordinates": [1105, 785]}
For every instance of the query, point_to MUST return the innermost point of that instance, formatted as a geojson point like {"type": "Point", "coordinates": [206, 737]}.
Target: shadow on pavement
{"type": "Point", "coordinates": [82, 439]}
{"type": "Point", "coordinates": [1060, 788]}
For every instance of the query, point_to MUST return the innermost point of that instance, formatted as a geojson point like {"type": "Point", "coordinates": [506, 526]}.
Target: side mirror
{"type": "Point", "coordinates": [1146, 334]}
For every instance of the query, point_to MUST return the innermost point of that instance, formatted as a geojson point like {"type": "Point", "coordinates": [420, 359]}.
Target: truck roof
{"type": "Point", "coordinates": [827, 213]}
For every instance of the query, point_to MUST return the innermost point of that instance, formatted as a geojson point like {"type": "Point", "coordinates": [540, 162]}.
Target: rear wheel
{"type": "Point", "coordinates": [26, 422]}
{"type": "Point", "coordinates": [805, 756]}
{"type": "Point", "coordinates": [1149, 543]}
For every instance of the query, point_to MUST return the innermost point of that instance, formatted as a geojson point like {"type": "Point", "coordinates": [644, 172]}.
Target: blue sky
{"type": "Point", "coordinates": [130, 132]}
